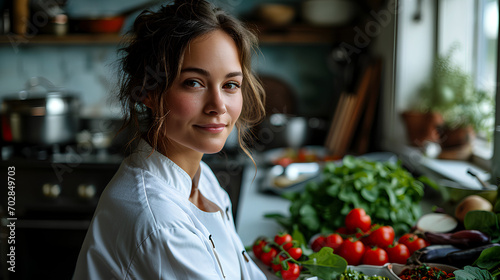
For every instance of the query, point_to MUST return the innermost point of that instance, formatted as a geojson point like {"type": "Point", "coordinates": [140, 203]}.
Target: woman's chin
{"type": "Point", "coordinates": [212, 149]}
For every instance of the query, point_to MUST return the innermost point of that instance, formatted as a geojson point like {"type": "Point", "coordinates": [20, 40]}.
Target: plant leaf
{"type": "Point", "coordinates": [309, 217]}
{"type": "Point", "coordinates": [301, 241]}
{"type": "Point", "coordinates": [489, 258]}
{"type": "Point", "coordinates": [483, 221]}
{"type": "Point", "coordinates": [470, 272]}
{"type": "Point", "coordinates": [325, 264]}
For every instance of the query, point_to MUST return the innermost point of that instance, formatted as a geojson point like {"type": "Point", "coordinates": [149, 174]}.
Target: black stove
{"type": "Point", "coordinates": [52, 201]}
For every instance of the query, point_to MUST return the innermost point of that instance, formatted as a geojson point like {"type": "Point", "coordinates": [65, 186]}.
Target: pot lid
{"type": "Point", "coordinates": [52, 101]}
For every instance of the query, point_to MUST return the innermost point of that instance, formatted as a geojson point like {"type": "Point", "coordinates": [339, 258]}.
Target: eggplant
{"type": "Point", "coordinates": [463, 239]}
{"type": "Point", "coordinates": [467, 257]}
{"type": "Point", "coordinates": [432, 254]}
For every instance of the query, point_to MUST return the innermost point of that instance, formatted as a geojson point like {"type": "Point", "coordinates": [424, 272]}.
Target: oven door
{"type": "Point", "coordinates": [44, 249]}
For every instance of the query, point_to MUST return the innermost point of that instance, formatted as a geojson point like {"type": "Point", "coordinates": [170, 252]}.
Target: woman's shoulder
{"type": "Point", "coordinates": [140, 198]}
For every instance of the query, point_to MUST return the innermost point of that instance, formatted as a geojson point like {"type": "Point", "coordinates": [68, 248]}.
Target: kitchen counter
{"type": "Point", "coordinates": [253, 205]}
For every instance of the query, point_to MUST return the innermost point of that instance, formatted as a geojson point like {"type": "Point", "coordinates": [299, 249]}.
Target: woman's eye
{"type": "Point", "coordinates": [192, 83]}
{"type": "Point", "coordinates": [232, 85]}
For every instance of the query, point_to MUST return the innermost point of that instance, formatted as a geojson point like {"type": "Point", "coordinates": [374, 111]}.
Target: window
{"type": "Point", "coordinates": [473, 25]}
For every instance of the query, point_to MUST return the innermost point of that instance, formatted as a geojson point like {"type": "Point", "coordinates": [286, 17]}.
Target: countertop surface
{"type": "Point", "coordinates": [254, 204]}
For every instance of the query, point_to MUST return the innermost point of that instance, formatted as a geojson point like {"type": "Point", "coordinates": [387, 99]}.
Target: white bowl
{"type": "Point", "coordinates": [328, 12]}
{"type": "Point", "coordinates": [397, 268]}
{"type": "Point", "coordinates": [374, 270]}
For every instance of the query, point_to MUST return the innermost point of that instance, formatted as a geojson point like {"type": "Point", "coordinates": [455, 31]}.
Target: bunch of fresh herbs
{"type": "Point", "coordinates": [387, 192]}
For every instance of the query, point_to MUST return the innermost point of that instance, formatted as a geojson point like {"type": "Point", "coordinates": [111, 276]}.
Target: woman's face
{"type": "Point", "coordinates": [205, 100]}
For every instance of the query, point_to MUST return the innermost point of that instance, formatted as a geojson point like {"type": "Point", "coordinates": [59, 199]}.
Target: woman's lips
{"type": "Point", "coordinates": [212, 127]}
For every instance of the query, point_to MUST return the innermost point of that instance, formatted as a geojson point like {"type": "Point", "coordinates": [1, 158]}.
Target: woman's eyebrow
{"type": "Point", "coordinates": [234, 74]}
{"type": "Point", "coordinates": [207, 74]}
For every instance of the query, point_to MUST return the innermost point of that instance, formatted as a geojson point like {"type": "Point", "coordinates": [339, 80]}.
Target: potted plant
{"type": "Point", "coordinates": [463, 109]}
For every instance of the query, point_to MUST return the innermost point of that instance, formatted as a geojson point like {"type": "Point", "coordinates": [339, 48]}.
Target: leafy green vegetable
{"type": "Point", "coordinates": [487, 266]}
{"type": "Point", "coordinates": [470, 272]}
{"type": "Point", "coordinates": [489, 258]}
{"type": "Point", "coordinates": [325, 264]}
{"type": "Point", "coordinates": [484, 221]}
{"type": "Point", "coordinates": [387, 192]}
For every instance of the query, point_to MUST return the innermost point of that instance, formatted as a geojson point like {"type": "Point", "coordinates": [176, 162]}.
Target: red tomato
{"type": "Point", "coordinates": [398, 253]}
{"type": "Point", "coordinates": [352, 251]}
{"type": "Point", "coordinates": [357, 218]}
{"type": "Point", "coordinates": [302, 155]}
{"type": "Point", "coordinates": [342, 230]}
{"type": "Point", "coordinates": [375, 256]}
{"type": "Point", "coordinates": [292, 273]}
{"type": "Point", "coordinates": [318, 243]}
{"type": "Point", "coordinates": [333, 241]}
{"type": "Point", "coordinates": [295, 252]}
{"type": "Point", "coordinates": [285, 161]}
{"type": "Point", "coordinates": [416, 244]}
{"type": "Point", "coordinates": [276, 263]}
{"type": "Point", "coordinates": [284, 239]}
{"type": "Point", "coordinates": [257, 247]}
{"type": "Point", "coordinates": [268, 254]}
{"type": "Point", "coordinates": [406, 238]}
{"type": "Point", "coordinates": [382, 237]}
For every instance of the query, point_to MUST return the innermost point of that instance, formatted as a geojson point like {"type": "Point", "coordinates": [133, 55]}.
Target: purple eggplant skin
{"type": "Point", "coordinates": [462, 239]}
{"type": "Point", "coordinates": [468, 256]}
{"type": "Point", "coordinates": [432, 254]}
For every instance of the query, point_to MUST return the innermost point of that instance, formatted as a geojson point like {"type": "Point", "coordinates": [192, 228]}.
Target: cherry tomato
{"type": "Point", "coordinates": [318, 243]}
{"type": "Point", "coordinates": [357, 218]}
{"type": "Point", "coordinates": [375, 256]}
{"type": "Point", "coordinates": [276, 263]}
{"type": "Point", "coordinates": [284, 239]}
{"type": "Point", "coordinates": [292, 273]}
{"type": "Point", "coordinates": [302, 155]}
{"type": "Point", "coordinates": [413, 242]}
{"type": "Point", "coordinates": [406, 238]}
{"type": "Point", "coordinates": [351, 250]}
{"type": "Point", "coordinates": [268, 254]}
{"type": "Point", "coordinates": [257, 247]}
{"type": "Point", "coordinates": [416, 244]}
{"type": "Point", "coordinates": [333, 241]}
{"type": "Point", "coordinates": [295, 252]}
{"type": "Point", "coordinates": [398, 253]}
{"type": "Point", "coordinates": [285, 161]}
{"type": "Point", "coordinates": [342, 230]}
{"type": "Point", "coordinates": [382, 237]}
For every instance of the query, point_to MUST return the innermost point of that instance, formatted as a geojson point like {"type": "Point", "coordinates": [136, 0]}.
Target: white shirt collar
{"type": "Point", "coordinates": [162, 167]}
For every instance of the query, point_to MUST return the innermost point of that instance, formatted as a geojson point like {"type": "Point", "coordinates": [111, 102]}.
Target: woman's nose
{"type": "Point", "coordinates": [215, 104]}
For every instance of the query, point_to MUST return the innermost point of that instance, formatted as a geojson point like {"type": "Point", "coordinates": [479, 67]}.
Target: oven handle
{"type": "Point", "coordinates": [50, 224]}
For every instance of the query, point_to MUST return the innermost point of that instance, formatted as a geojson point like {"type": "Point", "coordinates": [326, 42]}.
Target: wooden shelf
{"type": "Point", "coordinates": [301, 34]}
{"type": "Point", "coordinates": [70, 39]}
{"type": "Point", "coordinates": [268, 34]}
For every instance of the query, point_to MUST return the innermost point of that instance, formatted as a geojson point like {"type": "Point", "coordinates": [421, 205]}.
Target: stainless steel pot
{"type": "Point", "coordinates": [281, 130]}
{"type": "Point", "coordinates": [48, 119]}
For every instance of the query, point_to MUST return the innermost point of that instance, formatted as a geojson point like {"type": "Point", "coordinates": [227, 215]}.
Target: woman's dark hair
{"type": "Point", "coordinates": [151, 62]}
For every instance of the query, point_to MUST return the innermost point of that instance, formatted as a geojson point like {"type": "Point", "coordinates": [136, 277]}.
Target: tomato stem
{"type": "Point", "coordinates": [289, 257]}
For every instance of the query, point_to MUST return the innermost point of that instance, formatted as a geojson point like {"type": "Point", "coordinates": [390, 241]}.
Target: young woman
{"type": "Point", "coordinates": [186, 83]}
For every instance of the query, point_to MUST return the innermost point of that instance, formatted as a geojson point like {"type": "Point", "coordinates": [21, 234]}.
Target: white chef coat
{"type": "Point", "coordinates": [144, 227]}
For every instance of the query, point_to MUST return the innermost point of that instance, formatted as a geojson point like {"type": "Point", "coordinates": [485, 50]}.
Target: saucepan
{"type": "Point", "coordinates": [283, 130]}
{"type": "Point", "coordinates": [112, 23]}
{"type": "Point", "coordinates": [43, 119]}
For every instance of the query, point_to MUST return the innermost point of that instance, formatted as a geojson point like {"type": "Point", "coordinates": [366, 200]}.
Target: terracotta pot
{"type": "Point", "coordinates": [422, 127]}
{"type": "Point", "coordinates": [457, 137]}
